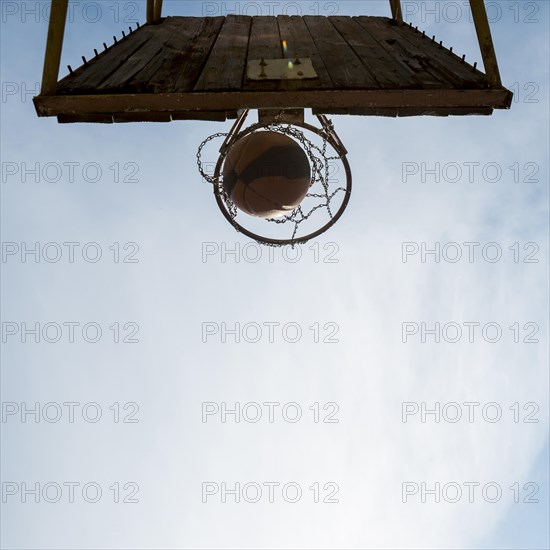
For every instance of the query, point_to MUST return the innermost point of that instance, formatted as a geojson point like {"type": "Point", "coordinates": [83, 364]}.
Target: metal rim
{"type": "Point", "coordinates": [297, 240]}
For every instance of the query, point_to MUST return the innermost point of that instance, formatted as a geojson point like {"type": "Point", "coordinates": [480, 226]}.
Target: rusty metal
{"type": "Point", "coordinates": [485, 40]}
{"type": "Point", "coordinates": [158, 11]}
{"type": "Point", "coordinates": [280, 69]}
{"type": "Point", "coordinates": [54, 46]}
{"type": "Point", "coordinates": [396, 11]}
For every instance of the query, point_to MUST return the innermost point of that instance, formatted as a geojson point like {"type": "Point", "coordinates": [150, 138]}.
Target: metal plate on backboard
{"type": "Point", "coordinates": [280, 69]}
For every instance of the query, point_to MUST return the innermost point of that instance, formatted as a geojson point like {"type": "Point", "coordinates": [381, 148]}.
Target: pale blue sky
{"type": "Point", "coordinates": [369, 292]}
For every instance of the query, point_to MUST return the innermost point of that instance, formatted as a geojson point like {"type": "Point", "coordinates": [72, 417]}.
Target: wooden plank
{"type": "Point", "coordinates": [197, 55]}
{"type": "Point", "coordinates": [405, 55]}
{"type": "Point", "coordinates": [88, 78]}
{"type": "Point", "coordinates": [226, 64]}
{"type": "Point", "coordinates": [221, 116]}
{"type": "Point", "coordinates": [294, 30]}
{"type": "Point", "coordinates": [439, 59]}
{"type": "Point", "coordinates": [234, 101]}
{"type": "Point", "coordinates": [408, 111]}
{"type": "Point", "coordinates": [288, 116]}
{"type": "Point", "coordinates": [90, 118]}
{"type": "Point", "coordinates": [121, 78]}
{"type": "Point", "coordinates": [54, 46]}
{"type": "Point", "coordinates": [265, 42]}
{"type": "Point", "coordinates": [177, 67]}
{"type": "Point", "coordinates": [387, 71]}
{"type": "Point", "coordinates": [213, 116]}
{"type": "Point", "coordinates": [142, 117]}
{"type": "Point", "coordinates": [385, 32]}
{"type": "Point", "coordinates": [345, 68]}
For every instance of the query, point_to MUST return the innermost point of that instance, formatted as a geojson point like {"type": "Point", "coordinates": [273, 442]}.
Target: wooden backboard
{"type": "Point", "coordinates": [196, 68]}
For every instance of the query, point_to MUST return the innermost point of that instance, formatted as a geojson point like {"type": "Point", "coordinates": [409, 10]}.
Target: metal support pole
{"type": "Point", "coordinates": [54, 46]}
{"type": "Point", "coordinates": [396, 12]}
{"type": "Point", "coordinates": [485, 39]}
{"type": "Point", "coordinates": [150, 11]}
{"type": "Point", "coordinates": [158, 10]}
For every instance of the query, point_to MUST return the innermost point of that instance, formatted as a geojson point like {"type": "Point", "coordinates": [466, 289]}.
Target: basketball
{"type": "Point", "coordinates": [266, 174]}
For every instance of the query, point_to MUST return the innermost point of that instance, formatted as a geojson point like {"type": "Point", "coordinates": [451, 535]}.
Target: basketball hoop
{"type": "Point", "coordinates": [217, 68]}
{"type": "Point", "coordinates": [324, 203]}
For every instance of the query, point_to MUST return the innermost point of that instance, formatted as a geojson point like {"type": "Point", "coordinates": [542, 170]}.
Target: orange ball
{"type": "Point", "coordinates": [266, 174]}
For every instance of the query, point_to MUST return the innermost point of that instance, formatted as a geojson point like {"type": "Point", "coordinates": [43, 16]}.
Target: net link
{"type": "Point", "coordinates": [320, 173]}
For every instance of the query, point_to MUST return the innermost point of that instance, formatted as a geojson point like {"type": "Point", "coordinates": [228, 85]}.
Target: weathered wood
{"type": "Point", "coordinates": [288, 116]}
{"type": "Point", "coordinates": [485, 40]}
{"type": "Point", "coordinates": [87, 79]}
{"type": "Point", "coordinates": [265, 42]}
{"type": "Point", "coordinates": [385, 69]}
{"type": "Point", "coordinates": [143, 117]}
{"type": "Point", "coordinates": [149, 52]}
{"type": "Point", "coordinates": [194, 68]}
{"type": "Point", "coordinates": [54, 46]}
{"type": "Point", "coordinates": [345, 68]}
{"type": "Point", "coordinates": [410, 60]}
{"type": "Point", "coordinates": [184, 71]}
{"type": "Point", "coordinates": [177, 66]}
{"type": "Point", "coordinates": [294, 30]}
{"type": "Point", "coordinates": [90, 118]}
{"type": "Point", "coordinates": [408, 111]}
{"type": "Point", "coordinates": [439, 60]}
{"type": "Point", "coordinates": [213, 116]}
{"type": "Point", "coordinates": [150, 11]}
{"type": "Point", "coordinates": [226, 64]}
{"type": "Point", "coordinates": [234, 101]}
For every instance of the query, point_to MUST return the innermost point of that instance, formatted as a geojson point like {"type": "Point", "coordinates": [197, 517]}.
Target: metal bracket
{"type": "Point", "coordinates": [286, 116]}
{"type": "Point", "coordinates": [332, 136]}
{"type": "Point", "coordinates": [281, 69]}
{"type": "Point", "coordinates": [236, 128]}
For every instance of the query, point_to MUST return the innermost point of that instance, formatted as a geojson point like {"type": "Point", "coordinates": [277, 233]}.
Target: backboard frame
{"type": "Point", "coordinates": [56, 30]}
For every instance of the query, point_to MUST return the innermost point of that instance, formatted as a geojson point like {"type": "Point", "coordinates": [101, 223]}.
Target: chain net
{"type": "Point", "coordinates": [320, 174]}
